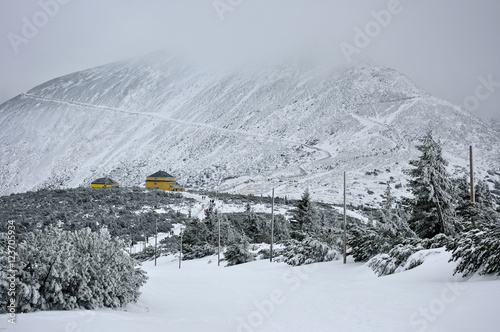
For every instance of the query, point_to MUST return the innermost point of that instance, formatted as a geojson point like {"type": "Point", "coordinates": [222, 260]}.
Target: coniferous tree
{"type": "Point", "coordinates": [465, 209]}
{"type": "Point", "coordinates": [252, 227]}
{"type": "Point", "coordinates": [484, 203]}
{"type": "Point", "coordinates": [239, 252]}
{"type": "Point", "coordinates": [304, 219]}
{"type": "Point", "coordinates": [433, 206]}
{"type": "Point", "coordinates": [477, 250]}
{"type": "Point", "coordinates": [211, 221]}
{"type": "Point", "coordinates": [196, 237]}
{"type": "Point", "coordinates": [482, 195]}
{"type": "Point", "coordinates": [62, 270]}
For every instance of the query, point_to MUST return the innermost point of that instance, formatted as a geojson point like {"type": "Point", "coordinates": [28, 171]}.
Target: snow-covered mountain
{"type": "Point", "coordinates": [246, 130]}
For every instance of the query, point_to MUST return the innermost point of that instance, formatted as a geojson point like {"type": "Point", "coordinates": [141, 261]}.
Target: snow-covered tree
{"type": "Point", "coordinates": [433, 206]}
{"type": "Point", "coordinates": [395, 260]}
{"type": "Point", "coordinates": [388, 230]}
{"type": "Point", "coordinates": [482, 195]}
{"type": "Point", "coordinates": [367, 240]}
{"type": "Point", "coordinates": [407, 254]}
{"type": "Point", "coordinates": [61, 270]}
{"type": "Point", "coordinates": [465, 209]}
{"type": "Point", "coordinates": [477, 250]}
{"type": "Point", "coordinates": [196, 240]}
{"type": "Point", "coordinates": [307, 251]}
{"type": "Point", "coordinates": [239, 252]}
{"type": "Point", "coordinates": [304, 219]}
{"type": "Point", "coordinates": [252, 227]}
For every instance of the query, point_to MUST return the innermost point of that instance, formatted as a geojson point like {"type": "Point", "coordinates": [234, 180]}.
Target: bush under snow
{"type": "Point", "coordinates": [308, 251]}
{"type": "Point", "coordinates": [478, 250]}
{"type": "Point", "coordinates": [62, 270]}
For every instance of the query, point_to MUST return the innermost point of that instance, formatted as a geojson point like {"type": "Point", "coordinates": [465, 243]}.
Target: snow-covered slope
{"type": "Point", "coordinates": [241, 130]}
{"type": "Point", "coordinates": [263, 296]}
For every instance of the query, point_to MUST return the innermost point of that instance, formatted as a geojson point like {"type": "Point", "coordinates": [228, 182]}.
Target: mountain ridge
{"type": "Point", "coordinates": [286, 127]}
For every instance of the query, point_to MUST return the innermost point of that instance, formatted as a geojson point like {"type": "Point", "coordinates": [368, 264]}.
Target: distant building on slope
{"type": "Point", "coordinates": [162, 180]}
{"type": "Point", "coordinates": [103, 182]}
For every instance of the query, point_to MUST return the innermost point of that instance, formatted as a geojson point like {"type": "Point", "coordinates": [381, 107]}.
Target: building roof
{"type": "Point", "coordinates": [104, 181]}
{"type": "Point", "coordinates": [160, 174]}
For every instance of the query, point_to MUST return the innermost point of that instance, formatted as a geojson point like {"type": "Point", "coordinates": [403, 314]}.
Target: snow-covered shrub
{"type": "Point", "coordinates": [394, 260]}
{"type": "Point", "coordinates": [308, 251]}
{"type": "Point", "coordinates": [197, 251]}
{"type": "Point", "coordinates": [62, 270]}
{"type": "Point", "coordinates": [147, 254]}
{"type": "Point", "coordinates": [366, 241]}
{"type": "Point", "coordinates": [264, 254]}
{"type": "Point", "coordinates": [477, 250]}
{"type": "Point", "coordinates": [238, 253]}
{"type": "Point", "coordinates": [438, 241]}
{"type": "Point", "coordinates": [406, 255]}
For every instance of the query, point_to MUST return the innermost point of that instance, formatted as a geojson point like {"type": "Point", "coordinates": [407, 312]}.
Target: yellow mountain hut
{"type": "Point", "coordinates": [162, 180]}
{"type": "Point", "coordinates": [103, 182]}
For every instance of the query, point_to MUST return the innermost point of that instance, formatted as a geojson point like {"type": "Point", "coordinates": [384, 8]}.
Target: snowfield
{"type": "Point", "coordinates": [260, 296]}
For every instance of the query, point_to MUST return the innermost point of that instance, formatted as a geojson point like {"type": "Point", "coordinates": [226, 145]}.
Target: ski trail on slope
{"type": "Point", "coordinates": [303, 171]}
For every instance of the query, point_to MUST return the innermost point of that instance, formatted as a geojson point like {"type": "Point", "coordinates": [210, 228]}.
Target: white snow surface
{"type": "Point", "coordinates": [264, 296]}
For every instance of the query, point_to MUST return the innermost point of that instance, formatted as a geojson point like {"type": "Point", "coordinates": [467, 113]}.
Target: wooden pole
{"type": "Point", "coordinates": [156, 237]}
{"type": "Point", "coordinates": [471, 183]}
{"type": "Point", "coordinates": [180, 251]}
{"type": "Point", "coordinates": [272, 228]}
{"type": "Point", "coordinates": [345, 227]}
{"type": "Point", "coordinates": [218, 248]}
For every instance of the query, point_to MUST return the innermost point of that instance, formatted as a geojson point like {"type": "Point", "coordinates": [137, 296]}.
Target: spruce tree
{"type": "Point", "coordinates": [433, 210]}
{"type": "Point", "coordinates": [304, 220]}
{"type": "Point", "coordinates": [251, 226]}
{"type": "Point", "coordinates": [239, 252]}
{"type": "Point", "coordinates": [465, 209]}
{"type": "Point", "coordinates": [484, 203]}
{"type": "Point", "coordinates": [482, 195]}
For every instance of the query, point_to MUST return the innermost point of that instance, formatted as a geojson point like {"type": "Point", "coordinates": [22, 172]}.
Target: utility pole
{"type": "Point", "coordinates": [131, 242]}
{"type": "Point", "coordinates": [180, 251]}
{"type": "Point", "coordinates": [218, 230]}
{"type": "Point", "coordinates": [471, 183]}
{"type": "Point", "coordinates": [156, 237]}
{"type": "Point", "coordinates": [272, 228]}
{"type": "Point", "coordinates": [345, 227]}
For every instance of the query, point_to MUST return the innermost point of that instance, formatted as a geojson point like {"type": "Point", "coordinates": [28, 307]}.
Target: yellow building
{"type": "Point", "coordinates": [162, 180]}
{"type": "Point", "coordinates": [103, 182]}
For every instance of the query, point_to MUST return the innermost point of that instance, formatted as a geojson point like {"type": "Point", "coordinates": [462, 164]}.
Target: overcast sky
{"type": "Point", "coordinates": [451, 48]}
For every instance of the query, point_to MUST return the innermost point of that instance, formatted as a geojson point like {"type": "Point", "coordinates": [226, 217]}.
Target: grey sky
{"type": "Point", "coordinates": [450, 48]}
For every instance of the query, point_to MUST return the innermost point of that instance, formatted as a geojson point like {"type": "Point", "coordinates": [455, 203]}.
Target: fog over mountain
{"type": "Point", "coordinates": [447, 47]}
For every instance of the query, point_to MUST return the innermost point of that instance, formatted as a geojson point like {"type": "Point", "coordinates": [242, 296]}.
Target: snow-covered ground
{"type": "Point", "coordinates": [261, 296]}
